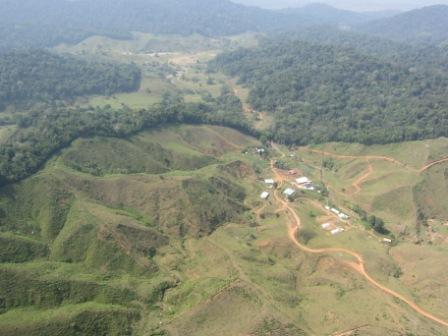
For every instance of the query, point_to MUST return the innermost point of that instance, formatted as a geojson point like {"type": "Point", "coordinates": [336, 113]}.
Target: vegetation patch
{"type": "Point", "coordinates": [17, 249]}
{"type": "Point", "coordinates": [71, 320]}
{"type": "Point", "coordinates": [273, 327]}
{"type": "Point", "coordinates": [365, 99]}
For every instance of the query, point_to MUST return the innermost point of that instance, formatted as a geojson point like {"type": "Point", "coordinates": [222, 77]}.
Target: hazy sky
{"type": "Point", "coordinates": [359, 5]}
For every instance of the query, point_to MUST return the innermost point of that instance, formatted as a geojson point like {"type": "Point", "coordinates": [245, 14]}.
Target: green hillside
{"type": "Point", "coordinates": [321, 93]}
{"type": "Point", "coordinates": [71, 239]}
{"type": "Point", "coordinates": [149, 211]}
{"type": "Point", "coordinates": [100, 242]}
{"type": "Point", "coordinates": [423, 25]}
{"type": "Point", "coordinates": [41, 76]}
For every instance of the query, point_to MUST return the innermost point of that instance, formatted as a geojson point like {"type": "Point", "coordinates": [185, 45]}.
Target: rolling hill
{"type": "Point", "coordinates": [318, 14]}
{"type": "Point", "coordinates": [135, 214]}
{"type": "Point", "coordinates": [123, 249]}
{"type": "Point", "coordinates": [96, 229]}
{"type": "Point", "coordinates": [425, 25]}
{"type": "Point", "coordinates": [321, 93]}
{"type": "Point", "coordinates": [31, 23]}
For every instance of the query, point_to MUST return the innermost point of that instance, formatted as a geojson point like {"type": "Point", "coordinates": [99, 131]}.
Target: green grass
{"type": "Point", "coordinates": [150, 93]}
{"type": "Point", "coordinates": [18, 249]}
{"type": "Point", "coordinates": [169, 63]}
{"type": "Point", "coordinates": [86, 319]}
{"type": "Point", "coordinates": [141, 251]}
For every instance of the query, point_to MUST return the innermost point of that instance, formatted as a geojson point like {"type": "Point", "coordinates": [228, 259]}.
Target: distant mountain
{"type": "Point", "coordinates": [43, 23]}
{"type": "Point", "coordinates": [420, 57]}
{"type": "Point", "coordinates": [321, 14]}
{"type": "Point", "coordinates": [428, 24]}
{"type": "Point", "coordinates": [39, 23]}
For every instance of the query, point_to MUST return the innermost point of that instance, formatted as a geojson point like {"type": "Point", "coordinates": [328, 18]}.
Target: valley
{"type": "Point", "coordinates": [206, 168]}
{"type": "Point", "coordinates": [160, 265]}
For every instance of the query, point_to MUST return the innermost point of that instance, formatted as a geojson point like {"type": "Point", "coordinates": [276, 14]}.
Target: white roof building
{"type": "Point", "coordinates": [327, 207]}
{"type": "Point", "coordinates": [289, 192]}
{"type": "Point", "coordinates": [269, 181]}
{"type": "Point", "coordinates": [326, 226]}
{"type": "Point", "coordinates": [343, 216]}
{"type": "Point", "coordinates": [387, 240]}
{"type": "Point", "coordinates": [335, 211]}
{"type": "Point", "coordinates": [309, 186]}
{"type": "Point", "coordinates": [264, 195]}
{"type": "Point", "coordinates": [303, 180]}
{"type": "Point", "coordinates": [337, 231]}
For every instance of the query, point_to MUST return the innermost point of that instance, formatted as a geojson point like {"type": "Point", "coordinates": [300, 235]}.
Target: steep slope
{"type": "Point", "coordinates": [71, 239]}
{"type": "Point", "coordinates": [428, 24]}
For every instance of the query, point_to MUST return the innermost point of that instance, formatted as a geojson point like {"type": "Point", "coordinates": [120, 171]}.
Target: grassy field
{"type": "Point", "coordinates": [410, 202]}
{"type": "Point", "coordinates": [164, 233]}
{"type": "Point", "coordinates": [124, 236]}
{"type": "Point", "coordinates": [169, 63]}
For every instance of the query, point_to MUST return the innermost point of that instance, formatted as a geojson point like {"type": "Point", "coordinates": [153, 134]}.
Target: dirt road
{"type": "Point", "coordinates": [358, 265]}
{"type": "Point", "coordinates": [366, 157]}
{"type": "Point", "coordinates": [384, 158]}
{"type": "Point", "coordinates": [357, 185]}
{"type": "Point", "coordinates": [432, 164]}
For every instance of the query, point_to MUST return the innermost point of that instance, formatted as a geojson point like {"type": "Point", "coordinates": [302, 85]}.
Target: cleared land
{"type": "Point", "coordinates": [165, 233]}
{"type": "Point", "coordinates": [132, 230]}
{"type": "Point", "coordinates": [359, 265]}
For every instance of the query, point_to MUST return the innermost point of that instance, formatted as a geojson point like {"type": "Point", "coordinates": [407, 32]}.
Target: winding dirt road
{"type": "Point", "coordinates": [426, 167]}
{"type": "Point", "coordinates": [366, 157]}
{"type": "Point", "coordinates": [358, 265]}
{"type": "Point", "coordinates": [357, 185]}
{"type": "Point", "coordinates": [432, 164]}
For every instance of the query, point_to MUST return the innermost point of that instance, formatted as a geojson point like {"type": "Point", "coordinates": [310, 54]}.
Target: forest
{"type": "Point", "coordinates": [40, 76]}
{"type": "Point", "coordinates": [46, 23]}
{"type": "Point", "coordinates": [428, 25]}
{"type": "Point", "coordinates": [319, 93]}
{"type": "Point", "coordinates": [46, 128]}
{"type": "Point", "coordinates": [424, 57]}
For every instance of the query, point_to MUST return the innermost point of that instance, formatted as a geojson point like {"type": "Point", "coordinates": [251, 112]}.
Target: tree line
{"type": "Point", "coordinates": [46, 128]}
{"type": "Point", "coordinates": [320, 93]}
{"type": "Point", "coordinates": [38, 75]}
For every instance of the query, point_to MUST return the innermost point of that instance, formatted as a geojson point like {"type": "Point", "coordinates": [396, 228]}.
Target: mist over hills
{"type": "Point", "coordinates": [322, 14]}
{"type": "Point", "coordinates": [428, 24]}
{"type": "Point", "coordinates": [32, 23]}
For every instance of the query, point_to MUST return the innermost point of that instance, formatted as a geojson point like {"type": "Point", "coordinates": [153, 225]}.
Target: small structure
{"type": "Point", "coordinates": [327, 207]}
{"type": "Point", "coordinates": [292, 172]}
{"type": "Point", "coordinates": [309, 186]}
{"type": "Point", "coordinates": [269, 181]}
{"type": "Point", "coordinates": [261, 151]}
{"type": "Point", "coordinates": [289, 192]}
{"type": "Point", "coordinates": [337, 231]}
{"type": "Point", "coordinates": [343, 216]}
{"type": "Point", "coordinates": [303, 180]}
{"type": "Point", "coordinates": [335, 211]}
{"type": "Point", "coordinates": [264, 195]}
{"type": "Point", "coordinates": [326, 226]}
{"type": "Point", "coordinates": [387, 241]}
